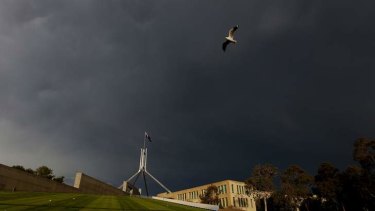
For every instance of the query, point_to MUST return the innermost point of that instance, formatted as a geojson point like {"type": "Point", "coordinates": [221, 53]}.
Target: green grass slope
{"type": "Point", "coordinates": [72, 201]}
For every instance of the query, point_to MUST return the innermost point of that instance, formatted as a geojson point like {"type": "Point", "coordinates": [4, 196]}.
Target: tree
{"type": "Point", "coordinates": [327, 186]}
{"type": "Point", "coordinates": [29, 170]}
{"type": "Point", "coordinates": [295, 187]}
{"type": "Point", "coordinates": [19, 167]}
{"type": "Point", "coordinates": [44, 171]}
{"type": "Point", "coordinates": [364, 153]}
{"type": "Point", "coordinates": [261, 182]}
{"type": "Point", "coordinates": [351, 193]}
{"type": "Point", "coordinates": [211, 195]}
{"type": "Point", "coordinates": [359, 181]}
{"type": "Point", "coordinates": [59, 179]}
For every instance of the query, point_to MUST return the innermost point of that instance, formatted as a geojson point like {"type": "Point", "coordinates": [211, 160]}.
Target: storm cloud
{"type": "Point", "coordinates": [80, 82]}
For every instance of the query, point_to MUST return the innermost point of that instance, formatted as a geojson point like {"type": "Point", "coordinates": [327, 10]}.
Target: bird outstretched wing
{"type": "Point", "coordinates": [225, 44]}
{"type": "Point", "coordinates": [232, 30]}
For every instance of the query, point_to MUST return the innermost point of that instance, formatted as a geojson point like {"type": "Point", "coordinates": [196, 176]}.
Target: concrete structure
{"type": "Point", "coordinates": [190, 204]}
{"type": "Point", "coordinates": [12, 179]}
{"type": "Point", "coordinates": [87, 184]}
{"type": "Point", "coordinates": [130, 188]}
{"type": "Point", "coordinates": [231, 194]}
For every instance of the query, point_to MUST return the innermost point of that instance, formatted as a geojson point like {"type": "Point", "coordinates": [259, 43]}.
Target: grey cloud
{"type": "Point", "coordinates": [81, 81]}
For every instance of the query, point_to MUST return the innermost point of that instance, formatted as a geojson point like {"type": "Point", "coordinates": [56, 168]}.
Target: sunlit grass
{"type": "Point", "coordinates": [72, 201]}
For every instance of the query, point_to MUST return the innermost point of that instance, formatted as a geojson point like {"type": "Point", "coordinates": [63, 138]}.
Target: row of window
{"type": "Point", "coordinates": [224, 202]}
{"type": "Point", "coordinates": [222, 189]}
{"type": "Point", "coordinates": [242, 202]}
{"type": "Point", "coordinates": [240, 189]}
{"type": "Point", "coordinates": [191, 195]}
{"type": "Point", "coordinates": [195, 194]}
{"type": "Point", "coordinates": [182, 197]}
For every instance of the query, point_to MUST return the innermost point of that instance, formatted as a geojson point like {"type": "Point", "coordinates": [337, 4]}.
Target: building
{"type": "Point", "coordinates": [231, 194]}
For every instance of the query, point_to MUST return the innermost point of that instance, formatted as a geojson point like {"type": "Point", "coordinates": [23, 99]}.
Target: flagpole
{"type": "Point", "coordinates": [144, 141]}
{"type": "Point", "coordinates": [142, 167]}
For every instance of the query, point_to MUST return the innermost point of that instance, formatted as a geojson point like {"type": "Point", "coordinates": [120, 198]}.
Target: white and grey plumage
{"type": "Point", "coordinates": [230, 38]}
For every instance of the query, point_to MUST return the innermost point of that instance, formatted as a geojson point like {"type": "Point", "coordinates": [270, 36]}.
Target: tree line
{"type": "Point", "coordinates": [329, 189]}
{"type": "Point", "coordinates": [42, 171]}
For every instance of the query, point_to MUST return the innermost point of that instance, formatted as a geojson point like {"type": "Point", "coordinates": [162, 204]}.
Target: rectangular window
{"type": "Point", "coordinates": [234, 202]}
{"type": "Point", "coordinates": [237, 190]}
{"type": "Point", "coordinates": [225, 188]}
{"type": "Point", "coordinates": [226, 201]}
{"type": "Point", "coordinates": [232, 189]}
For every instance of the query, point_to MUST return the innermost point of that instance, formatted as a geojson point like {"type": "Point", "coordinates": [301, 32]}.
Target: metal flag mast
{"type": "Point", "coordinates": [143, 167]}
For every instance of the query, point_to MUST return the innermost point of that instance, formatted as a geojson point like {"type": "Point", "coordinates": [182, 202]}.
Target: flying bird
{"type": "Point", "coordinates": [230, 38]}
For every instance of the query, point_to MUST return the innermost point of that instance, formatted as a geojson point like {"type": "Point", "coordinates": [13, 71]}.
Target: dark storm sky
{"type": "Point", "coordinates": [80, 82]}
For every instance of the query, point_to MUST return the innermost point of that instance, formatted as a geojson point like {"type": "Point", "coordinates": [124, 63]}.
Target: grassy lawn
{"type": "Point", "coordinates": [72, 201]}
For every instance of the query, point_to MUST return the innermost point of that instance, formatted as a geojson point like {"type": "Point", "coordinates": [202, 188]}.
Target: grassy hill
{"type": "Point", "coordinates": [72, 201]}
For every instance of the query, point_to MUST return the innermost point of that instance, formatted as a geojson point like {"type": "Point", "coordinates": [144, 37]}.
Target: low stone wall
{"type": "Point", "coordinates": [190, 204]}
{"type": "Point", "coordinates": [12, 179]}
{"type": "Point", "coordinates": [87, 184]}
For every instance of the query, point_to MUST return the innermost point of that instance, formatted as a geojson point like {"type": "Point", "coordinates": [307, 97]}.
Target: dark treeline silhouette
{"type": "Point", "coordinates": [352, 189]}
{"type": "Point", "coordinates": [42, 171]}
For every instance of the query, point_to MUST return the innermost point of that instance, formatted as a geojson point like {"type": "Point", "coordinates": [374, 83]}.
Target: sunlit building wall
{"type": "Point", "coordinates": [231, 194]}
